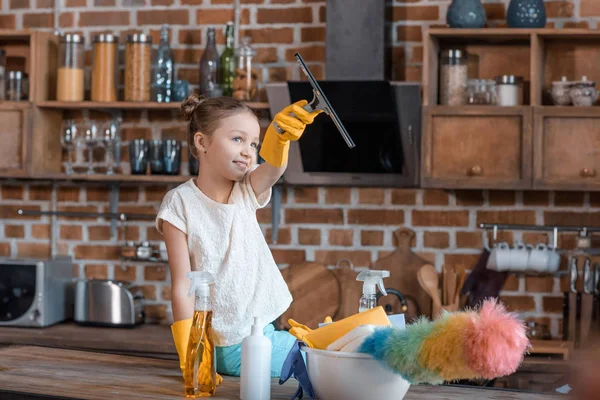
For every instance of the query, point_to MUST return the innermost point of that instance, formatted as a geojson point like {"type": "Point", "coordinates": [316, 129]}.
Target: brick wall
{"type": "Point", "coordinates": [322, 224]}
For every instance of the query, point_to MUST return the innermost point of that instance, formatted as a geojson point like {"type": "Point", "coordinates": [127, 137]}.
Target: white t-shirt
{"type": "Point", "coordinates": [226, 240]}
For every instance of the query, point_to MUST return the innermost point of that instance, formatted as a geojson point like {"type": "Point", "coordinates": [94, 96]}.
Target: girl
{"type": "Point", "coordinates": [209, 223]}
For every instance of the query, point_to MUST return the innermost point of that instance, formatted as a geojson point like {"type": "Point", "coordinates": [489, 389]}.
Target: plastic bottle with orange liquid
{"type": "Point", "coordinates": [200, 375]}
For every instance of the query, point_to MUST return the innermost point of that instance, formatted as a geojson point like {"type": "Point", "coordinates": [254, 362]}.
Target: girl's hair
{"type": "Point", "coordinates": [205, 114]}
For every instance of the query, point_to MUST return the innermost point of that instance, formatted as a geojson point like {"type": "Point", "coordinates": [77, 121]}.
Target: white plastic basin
{"type": "Point", "coordinates": [336, 375]}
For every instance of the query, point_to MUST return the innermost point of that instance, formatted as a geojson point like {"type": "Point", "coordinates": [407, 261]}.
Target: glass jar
{"type": "Point", "coordinates": [245, 81]}
{"type": "Point", "coordinates": [509, 89]}
{"type": "Point", "coordinates": [104, 67]}
{"type": "Point", "coordinates": [17, 86]}
{"type": "Point", "coordinates": [137, 67]}
{"type": "Point", "coordinates": [480, 92]}
{"type": "Point", "coordinates": [453, 77]}
{"type": "Point", "coordinates": [2, 75]}
{"type": "Point", "coordinates": [71, 82]}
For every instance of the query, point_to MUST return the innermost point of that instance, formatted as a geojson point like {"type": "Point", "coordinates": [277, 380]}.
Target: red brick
{"type": "Point", "coordinates": [189, 74]}
{"type": "Point", "coordinates": [306, 195]}
{"type": "Point", "coordinates": [165, 293]}
{"type": "Point", "coordinates": [503, 217]}
{"type": "Point", "coordinates": [437, 240]}
{"type": "Point", "coordinates": [66, 20]}
{"type": "Point", "coordinates": [98, 233]}
{"type": "Point", "coordinates": [502, 198]}
{"type": "Point", "coordinates": [434, 197]}
{"type": "Point", "coordinates": [14, 231]}
{"type": "Point", "coordinates": [440, 218]}
{"type": "Point", "coordinates": [8, 21]}
{"type": "Point", "coordinates": [104, 18]}
{"type": "Point", "coordinates": [283, 236]}
{"type": "Point", "coordinates": [371, 196]}
{"type": "Point", "coordinates": [469, 197]}
{"type": "Point", "coordinates": [371, 238]}
{"type": "Point", "coordinates": [341, 237]}
{"type": "Point", "coordinates": [187, 56]}
{"type": "Point", "coordinates": [288, 15]}
{"type": "Point", "coordinates": [469, 240]}
{"type": "Point", "coordinates": [148, 291]}
{"type": "Point", "coordinates": [409, 33]}
{"type": "Point", "coordinates": [269, 55]}
{"type": "Point", "coordinates": [535, 237]}
{"type": "Point", "coordinates": [494, 11]}
{"type": "Point", "coordinates": [359, 258]}
{"type": "Point", "coordinates": [404, 196]}
{"type": "Point", "coordinates": [153, 235]}
{"type": "Point", "coordinates": [40, 193]}
{"type": "Point", "coordinates": [68, 194]}
{"type": "Point", "coordinates": [559, 9]}
{"type": "Point", "coordinates": [512, 283]}
{"type": "Point", "coordinates": [12, 192]}
{"type": "Point", "coordinates": [314, 216]}
{"type": "Point", "coordinates": [5, 250]}
{"type": "Point", "coordinates": [71, 232]}
{"type": "Point", "coordinates": [518, 303]}
{"type": "Point", "coordinates": [136, 132]}
{"type": "Point", "coordinates": [73, 208]}
{"type": "Point", "coordinates": [416, 13]}
{"type": "Point", "coordinates": [44, 20]}
{"type": "Point", "coordinates": [337, 195]}
{"type": "Point", "coordinates": [96, 271]}
{"type": "Point", "coordinates": [576, 24]}
{"type": "Point", "coordinates": [125, 273]}
{"type": "Point", "coordinates": [535, 198]}
{"type": "Point", "coordinates": [312, 34]}
{"type": "Point", "coordinates": [75, 3]}
{"type": "Point", "coordinates": [263, 215]}
{"type": "Point", "coordinates": [539, 284]}
{"type": "Point", "coordinates": [417, 54]}
{"type": "Point", "coordinates": [270, 35]}
{"type": "Point", "coordinates": [96, 252]}
{"type": "Point", "coordinates": [162, 2]}
{"type": "Point", "coordinates": [44, 3]}
{"type": "Point", "coordinates": [171, 17]}
{"type": "Point", "coordinates": [322, 14]}
{"type": "Point", "coordinates": [153, 273]}
{"type": "Point", "coordinates": [288, 256]}
{"type": "Point", "coordinates": [33, 250]}
{"type": "Point", "coordinates": [40, 231]}
{"type": "Point", "coordinates": [278, 74]}
{"type": "Point", "coordinates": [191, 2]}
{"type": "Point", "coordinates": [553, 304]}
{"type": "Point", "coordinates": [466, 260]}
{"type": "Point", "coordinates": [571, 218]}
{"type": "Point", "coordinates": [104, 3]}
{"type": "Point", "coordinates": [216, 16]}
{"type": "Point", "coordinates": [309, 53]}
{"type": "Point", "coordinates": [155, 312]}
{"type": "Point", "coordinates": [376, 217]}
{"type": "Point", "coordinates": [568, 199]}
{"type": "Point", "coordinates": [309, 236]}
{"type": "Point", "coordinates": [10, 212]}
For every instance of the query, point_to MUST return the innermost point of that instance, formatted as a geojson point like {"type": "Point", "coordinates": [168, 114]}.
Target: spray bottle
{"type": "Point", "coordinates": [369, 296]}
{"type": "Point", "coordinates": [200, 375]}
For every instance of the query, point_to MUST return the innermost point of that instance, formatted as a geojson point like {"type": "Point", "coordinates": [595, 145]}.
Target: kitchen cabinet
{"type": "Point", "coordinates": [15, 120]}
{"type": "Point", "coordinates": [477, 147]}
{"type": "Point", "coordinates": [536, 145]}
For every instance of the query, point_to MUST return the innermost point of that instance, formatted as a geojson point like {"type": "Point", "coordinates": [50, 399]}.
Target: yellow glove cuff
{"type": "Point", "coordinates": [181, 336]}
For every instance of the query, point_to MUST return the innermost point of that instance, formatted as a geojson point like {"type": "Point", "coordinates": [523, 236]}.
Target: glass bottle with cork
{"type": "Point", "coordinates": [228, 61]}
{"type": "Point", "coordinates": [209, 67]}
{"type": "Point", "coordinates": [70, 82]}
{"type": "Point", "coordinates": [245, 82]}
{"type": "Point", "coordinates": [163, 70]}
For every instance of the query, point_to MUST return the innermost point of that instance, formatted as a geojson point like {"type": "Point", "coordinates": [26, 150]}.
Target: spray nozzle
{"type": "Point", "coordinates": [372, 278]}
{"type": "Point", "coordinates": [200, 283]}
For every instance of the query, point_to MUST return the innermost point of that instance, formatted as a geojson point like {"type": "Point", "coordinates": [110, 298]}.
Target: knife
{"type": "Point", "coordinates": [587, 301]}
{"type": "Point", "coordinates": [571, 306]}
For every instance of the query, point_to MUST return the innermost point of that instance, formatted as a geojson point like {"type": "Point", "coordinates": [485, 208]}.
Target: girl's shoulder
{"type": "Point", "coordinates": [180, 194]}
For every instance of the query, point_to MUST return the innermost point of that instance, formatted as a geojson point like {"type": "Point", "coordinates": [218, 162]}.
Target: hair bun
{"type": "Point", "coordinates": [190, 104]}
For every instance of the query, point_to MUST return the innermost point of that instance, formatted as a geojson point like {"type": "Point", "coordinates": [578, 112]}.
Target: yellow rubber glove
{"type": "Point", "coordinates": [181, 336]}
{"type": "Point", "coordinates": [276, 146]}
{"type": "Point", "coordinates": [300, 331]}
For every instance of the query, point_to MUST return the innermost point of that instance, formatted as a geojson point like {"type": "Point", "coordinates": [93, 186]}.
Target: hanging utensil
{"type": "Point", "coordinates": [587, 301]}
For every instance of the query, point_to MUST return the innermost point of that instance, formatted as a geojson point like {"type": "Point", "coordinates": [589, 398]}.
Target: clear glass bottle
{"type": "Point", "coordinates": [162, 85]}
{"type": "Point", "coordinates": [105, 66]}
{"type": "Point", "coordinates": [453, 77]}
{"type": "Point", "coordinates": [228, 62]}
{"type": "Point", "coordinates": [245, 82]}
{"type": "Point", "coordinates": [209, 67]}
{"type": "Point", "coordinates": [71, 81]}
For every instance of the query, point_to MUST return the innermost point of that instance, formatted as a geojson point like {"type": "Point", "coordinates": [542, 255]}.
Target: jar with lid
{"type": "Point", "coordinates": [509, 89]}
{"type": "Point", "coordinates": [17, 86]}
{"type": "Point", "coordinates": [104, 67]}
{"type": "Point", "coordinates": [481, 92]}
{"type": "Point", "coordinates": [138, 52]}
{"type": "Point", "coordinates": [246, 77]}
{"type": "Point", "coordinates": [2, 74]}
{"type": "Point", "coordinates": [71, 81]}
{"type": "Point", "coordinates": [453, 77]}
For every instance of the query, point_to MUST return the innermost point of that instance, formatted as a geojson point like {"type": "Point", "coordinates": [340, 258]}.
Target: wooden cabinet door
{"type": "Point", "coordinates": [567, 148]}
{"type": "Point", "coordinates": [476, 147]}
{"type": "Point", "coordinates": [14, 137]}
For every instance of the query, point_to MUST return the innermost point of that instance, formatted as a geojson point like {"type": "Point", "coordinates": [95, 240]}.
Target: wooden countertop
{"type": "Point", "coordinates": [83, 375]}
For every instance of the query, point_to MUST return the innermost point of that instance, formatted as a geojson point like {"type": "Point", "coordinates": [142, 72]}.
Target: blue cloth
{"type": "Point", "coordinates": [229, 358]}
{"type": "Point", "coordinates": [295, 365]}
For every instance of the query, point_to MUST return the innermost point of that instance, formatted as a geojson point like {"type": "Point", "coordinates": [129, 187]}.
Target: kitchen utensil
{"type": "Point", "coordinates": [320, 102]}
{"type": "Point", "coordinates": [429, 281]}
{"type": "Point", "coordinates": [350, 288]}
{"type": "Point", "coordinates": [101, 302]}
{"type": "Point", "coordinates": [155, 156]}
{"type": "Point", "coordinates": [143, 251]}
{"type": "Point", "coordinates": [571, 309]}
{"type": "Point", "coordinates": [316, 294]}
{"type": "Point", "coordinates": [460, 281]}
{"type": "Point", "coordinates": [584, 93]}
{"type": "Point", "coordinates": [596, 315]}
{"type": "Point", "coordinates": [587, 301]}
{"type": "Point", "coordinates": [138, 156]}
{"type": "Point", "coordinates": [561, 92]}
{"type": "Point", "coordinates": [172, 156]}
{"type": "Point", "coordinates": [403, 265]}
{"type": "Point", "coordinates": [482, 282]}
{"type": "Point", "coordinates": [451, 285]}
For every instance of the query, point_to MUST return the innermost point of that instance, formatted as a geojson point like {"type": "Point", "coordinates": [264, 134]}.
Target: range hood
{"type": "Point", "coordinates": [383, 117]}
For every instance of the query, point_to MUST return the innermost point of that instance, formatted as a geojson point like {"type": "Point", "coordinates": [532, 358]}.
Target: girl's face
{"type": "Point", "coordinates": [232, 149]}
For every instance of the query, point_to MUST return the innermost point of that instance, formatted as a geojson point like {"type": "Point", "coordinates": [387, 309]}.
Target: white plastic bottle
{"type": "Point", "coordinates": [255, 379]}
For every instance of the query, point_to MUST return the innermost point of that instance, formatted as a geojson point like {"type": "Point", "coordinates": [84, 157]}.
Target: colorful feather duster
{"type": "Point", "coordinates": [487, 344]}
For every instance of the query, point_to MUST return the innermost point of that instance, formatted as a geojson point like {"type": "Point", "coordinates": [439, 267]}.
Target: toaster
{"type": "Point", "coordinates": [110, 303]}
{"type": "Point", "coordinates": [35, 292]}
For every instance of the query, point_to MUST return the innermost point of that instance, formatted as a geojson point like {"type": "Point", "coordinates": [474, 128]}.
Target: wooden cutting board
{"type": "Point", "coordinates": [351, 291]}
{"type": "Point", "coordinates": [403, 265]}
{"type": "Point", "coordinates": [316, 294]}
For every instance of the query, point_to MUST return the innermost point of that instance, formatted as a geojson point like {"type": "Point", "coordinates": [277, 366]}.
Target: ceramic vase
{"type": "Point", "coordinates": [526, 14]}
{"type": "Point", "coordinates": [466, 14]}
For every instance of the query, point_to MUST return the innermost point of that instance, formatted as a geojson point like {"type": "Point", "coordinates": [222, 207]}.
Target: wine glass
{"type": "Point", "coordinates": [68, 139]}
{"type": "Point", "coordinates": [109, 139]}
{"type": "Point", "coordinates": [92, 139]}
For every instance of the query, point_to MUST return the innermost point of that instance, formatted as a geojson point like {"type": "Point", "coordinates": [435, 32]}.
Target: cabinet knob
{"type": "Point", "coordinates": [475, 171]}
{"type": "Point", "coordinates": [588, 173]}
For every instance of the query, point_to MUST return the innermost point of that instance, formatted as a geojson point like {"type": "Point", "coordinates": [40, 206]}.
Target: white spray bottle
{"type": "Point", "coordinates": [255, 376]}
{"type": "Point", "coordinates": [369, 296]}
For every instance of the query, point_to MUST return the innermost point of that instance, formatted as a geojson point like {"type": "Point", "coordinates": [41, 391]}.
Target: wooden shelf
{"type": "Point", "coordinates": [493, 34]}
{"type": "Point", "coordinates": [118, 178]}
{"type": "Point", "coordinates": [476, 110]}
{"type": "Point", "coordinates": [125, 105]}
{"type": "Point", "coordinates": [14, 105]}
